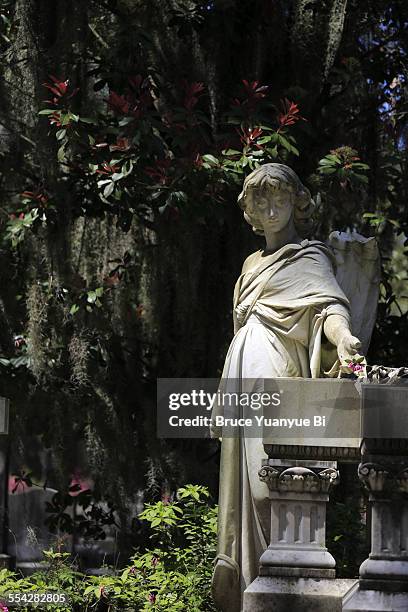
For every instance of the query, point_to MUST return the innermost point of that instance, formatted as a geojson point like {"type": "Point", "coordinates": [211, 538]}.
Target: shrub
{"type": "Point", "coordinates": [173, 575]}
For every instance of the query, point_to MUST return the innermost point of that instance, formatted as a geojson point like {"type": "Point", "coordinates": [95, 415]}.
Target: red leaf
{"type": "Point", "coordinates": [192, 93]}
{"type": "Point", "coordinates": [107, 169]}
{"type": "Point", "coordinates": [122, 144]}
{"type": "Point", "coordinates": [136, 81]}
{"type": "Point", "coordinates": [158, 171]}
{"type": "Point", "coordinates": [290, 114]}
{"type": "Point", "coordinates": [248, 136]}
{"type": "Point", "coordinates": [119, 104]}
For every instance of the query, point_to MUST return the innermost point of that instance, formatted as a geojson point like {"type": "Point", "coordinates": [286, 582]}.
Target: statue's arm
{"type": "Point", "coordinates": [337, 330]}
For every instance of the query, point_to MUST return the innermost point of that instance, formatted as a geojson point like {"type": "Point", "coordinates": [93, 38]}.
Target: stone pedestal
{"type": "Point", "coordinates": [383, 584]}
{"type": "Point", "coordinates": [296, 594]}
{"type": "Point", "coordinates": [296, 570]}
{"type": "Point", "coordinates": [299, 492]}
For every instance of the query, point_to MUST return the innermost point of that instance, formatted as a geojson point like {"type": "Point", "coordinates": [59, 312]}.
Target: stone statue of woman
{"type": "Point", "coordinates": [289, 311]}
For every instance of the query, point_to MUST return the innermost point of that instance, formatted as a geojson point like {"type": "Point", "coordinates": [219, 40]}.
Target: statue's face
{"type": "Point", "coordinates": [273, 209]}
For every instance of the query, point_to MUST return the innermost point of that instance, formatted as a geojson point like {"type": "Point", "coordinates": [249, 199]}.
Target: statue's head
{"type": "Point", "coordinates": [279, 181]}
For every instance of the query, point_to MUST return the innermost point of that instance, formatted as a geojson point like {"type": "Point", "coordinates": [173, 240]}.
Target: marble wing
{"type": "Point", "coordinates": [358, 274]}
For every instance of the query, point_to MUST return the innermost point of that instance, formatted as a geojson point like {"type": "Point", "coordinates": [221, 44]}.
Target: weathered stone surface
{"type": "Point", "coordinates": [4, 415]}
{"type": "Point", "coordinates": [383, 583]}
{"type": "Point", "coordinates": [5, 561]}
{"type": "Point", "coordinates": [28, 535]}
{"type": "Point", "coordinates": [374, 601]}
{"type": "Point", "coordinates": [298, 494]}
{"type": "Point", "coordinates": [361, 283]}
{"type": "Point", "coordinates": [338, 400]}
{"type": "Point", "coordinates": [295, 595]}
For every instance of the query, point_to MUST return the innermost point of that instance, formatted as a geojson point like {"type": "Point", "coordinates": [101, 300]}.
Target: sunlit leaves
{"type": "Point", "coordinates": [165, 162]}
{"type": "Point", "coordinates": [290, 114]}
{"type": "Point", "coordinates": [17, 226]}
{"type": "Point", "coordinates": [344, 165]}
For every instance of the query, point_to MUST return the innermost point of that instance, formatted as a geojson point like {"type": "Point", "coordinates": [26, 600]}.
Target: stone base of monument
{"type": "Point", "coordinates": [297, 572]}
{"type": "Point", "coordinates": [289, 561]}
{"type": "Point", "coordinates": [296, 594]}
{"type": "Point", "coordinates": [308, 572]}
{"type": "Point", "coordinates": [6, 561]}
{"type": "Point", "coordinates": [364, 598]}
{"type": "Point", "coordinates": [30, 567]}
{"type": "Point", "coordinates": [383, 585]}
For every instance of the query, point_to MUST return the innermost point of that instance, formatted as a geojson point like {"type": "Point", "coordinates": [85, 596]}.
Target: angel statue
{"type": "Point", "coordinates": [294, 318]}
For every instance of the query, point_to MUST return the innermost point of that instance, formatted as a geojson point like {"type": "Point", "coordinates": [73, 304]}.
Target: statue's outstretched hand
{"type": "Point", "coordinates": [348, 347]}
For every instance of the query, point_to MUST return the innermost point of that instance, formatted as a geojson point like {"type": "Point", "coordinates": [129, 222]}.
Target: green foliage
{"type": "Point", "coordinates": [343, 165]}
{"type": "Point", "coordinates": [89, 518]}
{"type": "Point", "coordinates": [18, 226]}
{"type": "Point", "coordinates": [347, 536]}
{"type": "Point", "coordinates": [134, 161]}
{"type": "Point", "coordinates": [172, 576]}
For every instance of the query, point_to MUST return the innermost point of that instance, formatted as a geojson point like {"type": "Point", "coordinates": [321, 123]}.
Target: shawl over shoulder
{"type": "Point", "coordinates": [282, 287]}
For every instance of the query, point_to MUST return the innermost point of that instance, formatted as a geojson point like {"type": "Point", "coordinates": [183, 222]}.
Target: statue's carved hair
{"type": "Point", "coordinates": [277, 177]}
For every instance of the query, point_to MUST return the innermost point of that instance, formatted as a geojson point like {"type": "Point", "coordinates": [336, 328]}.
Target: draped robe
{"type": "Point", "coordinates": [281, 301]}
